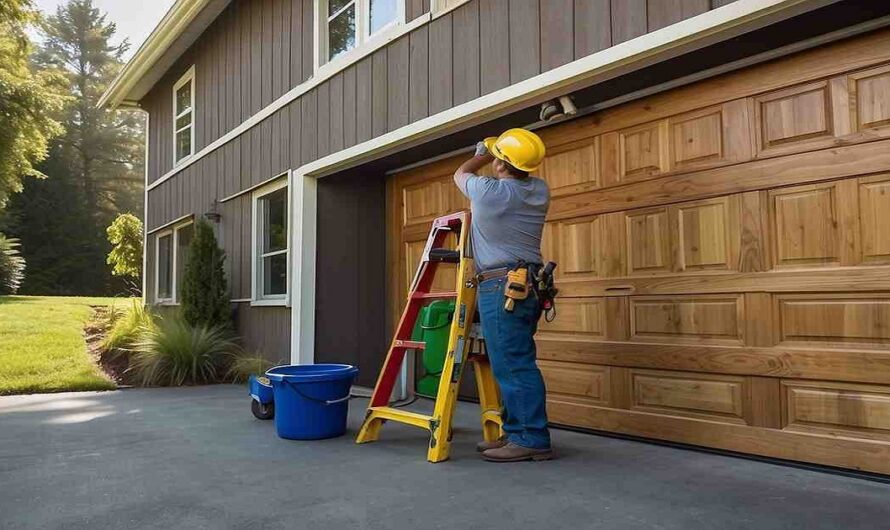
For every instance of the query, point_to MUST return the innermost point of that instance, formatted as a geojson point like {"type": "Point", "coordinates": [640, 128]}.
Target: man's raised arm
{"type": "Point", "coordinates": [471, 166]}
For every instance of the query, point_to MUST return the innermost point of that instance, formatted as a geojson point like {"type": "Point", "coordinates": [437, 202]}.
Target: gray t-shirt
{"type": "Point", "coordinates": [508, 219]}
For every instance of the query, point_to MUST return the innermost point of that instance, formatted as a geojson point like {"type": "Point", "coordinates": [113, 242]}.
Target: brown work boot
{"type": "Point", "coordinates": [485, 446]}
{"type": "Point", "coordinates": [511, 452]}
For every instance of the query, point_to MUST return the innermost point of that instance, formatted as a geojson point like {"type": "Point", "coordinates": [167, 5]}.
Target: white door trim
{"type": "Point", "coordinates": [304, 229]}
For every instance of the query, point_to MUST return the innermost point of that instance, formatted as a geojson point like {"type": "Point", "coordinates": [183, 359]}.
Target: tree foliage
{"type": "Point", "coordinates": [94, 170]}
{"type": "Point", "coordinates": [12, 265]}
{"type": "Point", "coordinates": [104, 147]}
{"type": "Point", "coordinates": [29, 101]}
{"type": "Point", "coordinates": [125, 236]}
{"type": "Point", "coordinates": [205, 296]}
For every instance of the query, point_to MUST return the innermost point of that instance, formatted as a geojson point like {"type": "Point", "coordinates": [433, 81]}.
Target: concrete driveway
{"type": "Point", "coordinates": [196, 458]}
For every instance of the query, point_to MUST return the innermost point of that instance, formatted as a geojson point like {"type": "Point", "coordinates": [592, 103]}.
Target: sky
{"type": "Point", "coordinates": [134, 18]}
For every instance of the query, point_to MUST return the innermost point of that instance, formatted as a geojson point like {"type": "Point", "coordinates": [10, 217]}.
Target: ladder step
{"type": "Point", "coordinates": [401, 416]}
{"type": "Point", "coordinates": [435, 296]}
{"type": "Point", "coordinates": [409, 344]}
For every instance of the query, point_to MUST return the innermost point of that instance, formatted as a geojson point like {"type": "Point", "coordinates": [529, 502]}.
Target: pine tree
{"type": "Point", "coordinates": [94, 170]}
{"type": "Point", "coordinates": [205, 296]}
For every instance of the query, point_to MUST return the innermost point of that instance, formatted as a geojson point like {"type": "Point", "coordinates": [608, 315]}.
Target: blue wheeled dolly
{"type": "Point", "coordinates": [262, 403]}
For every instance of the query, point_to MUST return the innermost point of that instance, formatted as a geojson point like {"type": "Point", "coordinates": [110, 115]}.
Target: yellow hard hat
{"type": "Point", "coordinates": [522, 149]}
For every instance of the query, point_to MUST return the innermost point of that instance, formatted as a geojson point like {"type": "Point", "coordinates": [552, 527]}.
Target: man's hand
{"type": "Point", "coordinates": [481, 150]}
{"type": "Point", "coordinates": [481, 157]}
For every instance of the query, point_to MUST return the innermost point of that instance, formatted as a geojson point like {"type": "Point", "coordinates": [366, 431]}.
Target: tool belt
{"type": "Point", "coordinates": [521, 280]}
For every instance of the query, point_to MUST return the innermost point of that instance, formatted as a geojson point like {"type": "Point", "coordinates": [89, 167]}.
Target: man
{"type": "Point", "coordinates": [508, 219]}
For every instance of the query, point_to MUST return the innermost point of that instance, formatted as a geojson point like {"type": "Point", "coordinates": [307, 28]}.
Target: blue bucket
{"type": "Point", "coordinates": [311, 400]}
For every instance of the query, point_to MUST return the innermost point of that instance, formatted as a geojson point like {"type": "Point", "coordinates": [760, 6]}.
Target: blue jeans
{"type": "Point", "coordinates": [509, 338]}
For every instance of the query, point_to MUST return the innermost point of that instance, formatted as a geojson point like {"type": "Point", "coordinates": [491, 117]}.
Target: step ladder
{"type": "Point", "coordinates": [460, 345]}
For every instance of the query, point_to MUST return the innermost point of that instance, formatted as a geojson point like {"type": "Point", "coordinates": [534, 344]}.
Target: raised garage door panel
{"type": "Point", "coordinates": [724, 260]}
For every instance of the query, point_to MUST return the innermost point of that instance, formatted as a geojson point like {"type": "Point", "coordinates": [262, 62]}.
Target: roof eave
{"type": "Point", "coordinates": [168, 30]}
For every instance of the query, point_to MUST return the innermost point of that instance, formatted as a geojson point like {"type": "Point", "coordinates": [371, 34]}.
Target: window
{"type": "Point", "coordinates": [165, 268]}
{"type": "Point", "coordinates": [271, 244]}
{"type": "Point", "coordinates": [184, 117]}
{"type": "Point", "coordinates": [170, 259]}
{"type": "Point", "coordinates": [346, 24]}
{"type": "Point", "coordinates": [184, 235]}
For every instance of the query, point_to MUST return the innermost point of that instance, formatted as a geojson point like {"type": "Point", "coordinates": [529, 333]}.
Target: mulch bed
{"type": "Point", "coordinates": [113, 362]}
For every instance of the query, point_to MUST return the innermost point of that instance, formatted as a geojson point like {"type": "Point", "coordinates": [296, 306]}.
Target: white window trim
{"type": "Point", "coordinates": [174, 255]}
{"type": "Point", "coordinates": [257, 298]}
{"type": "Point", "coordinates": [187, 77]}
{"type": "Point", "coordinates": [364, 38]}
{"type": "Point", "coordinates": [441, 7]}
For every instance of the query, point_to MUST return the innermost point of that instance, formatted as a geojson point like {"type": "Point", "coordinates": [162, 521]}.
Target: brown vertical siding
{"type": "Point", "coordinates": [494, 49]}
{"type": "Point", "coordinates": [557, 34]}
{"type": "Point", "coordinates": [397, 104]}
{"type": "Point", "coordinates": [441, 66]}
{"type": "Point", "coordinates": [265, 331]}
{"type": "Point", "coordinates": [418, 74]}
{"type": "Point", "coordinates": [323, 122]}
{"type": "Point", "coordinates": [525, 39]}
{"type": "Point", "coordinates": [379, 91]}
{"type": "Point", "coordinates": [593, 28]}
{"type": "Point", "coordinates": [309, 106]}
{"type": "Point", "coordinates": [336, 139]}
{"type": "Point", "coordinates": [350, 112]}
{"type": "Point", "coordinates": [257, 50]}
{"type": "Point", "coordinates": [663, 13]}
{"type": "Point", "coordinates": [628, 19]}
{"type": "Point", "coordinates": [466, 65]}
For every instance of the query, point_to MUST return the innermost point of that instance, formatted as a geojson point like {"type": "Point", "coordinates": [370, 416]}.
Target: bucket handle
{"type": "Point", "coordinates": [322, 401]}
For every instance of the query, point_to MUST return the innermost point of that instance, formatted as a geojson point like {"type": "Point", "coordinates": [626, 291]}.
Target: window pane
{"type": "Point", "coordinates": [275, 221]}
{"type": "Point", "coordinates": [336, 5]}
{"type": "Point", "coordinates": [184, 98]}
{"type": "Point", "coordinates": [184, 238]}
{"type": "Point", "coordinates": [184, 120]}
{"type": "Point", "coordinates": [183, 143]}
{"type": "Point", "coordinates": [275, 274]}
{"type": "Point", "coordinates": [341, 33]}
{"type": "Point", "coordinates": [382, 13]}
{"type": "Point", "coordinates": [165, 266]}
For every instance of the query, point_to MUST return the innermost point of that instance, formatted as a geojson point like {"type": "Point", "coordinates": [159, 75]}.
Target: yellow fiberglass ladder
{"type": "Point", "coordinates": [460, 345]}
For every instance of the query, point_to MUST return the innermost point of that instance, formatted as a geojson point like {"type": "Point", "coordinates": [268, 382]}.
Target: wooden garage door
{"type": "Point", "coordinates": [724, 260]}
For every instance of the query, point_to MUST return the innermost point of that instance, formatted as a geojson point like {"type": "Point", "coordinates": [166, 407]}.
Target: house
{"type": "Point", "coordinates": [720, 205]}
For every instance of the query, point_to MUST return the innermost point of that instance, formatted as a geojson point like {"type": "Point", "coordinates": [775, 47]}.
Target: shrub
{"type": "Point", "coordinates": [126, 326]}
{"type": "Point", "coordinates": [171, 352]}
{"type": "Point", "coordinates": [205, 297]}
{"type": "Point", "coordinates": [12, 265]}
{"type": "Point", "coordinates": [125, 235]}
{"type": "Point", "coordinates": [246, 364]}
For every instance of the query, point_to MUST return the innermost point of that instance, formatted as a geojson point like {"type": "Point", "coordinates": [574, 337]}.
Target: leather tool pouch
{"type": "Point", "coordinates": [546, 290]}
{"type": "Point", "coordinates": [516, 287]}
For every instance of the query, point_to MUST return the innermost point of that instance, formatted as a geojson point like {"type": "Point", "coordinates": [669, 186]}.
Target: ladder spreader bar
{"type": "Point", "coordinates": [435, 296]}
{"type": "Point", "coordinates": [402, 416]}
{"type": "Point", "coordinates": [409, 344]}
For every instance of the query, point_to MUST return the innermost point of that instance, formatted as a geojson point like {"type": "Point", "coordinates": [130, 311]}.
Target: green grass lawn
{"type": "Point", "coordinates": [42, 348]}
